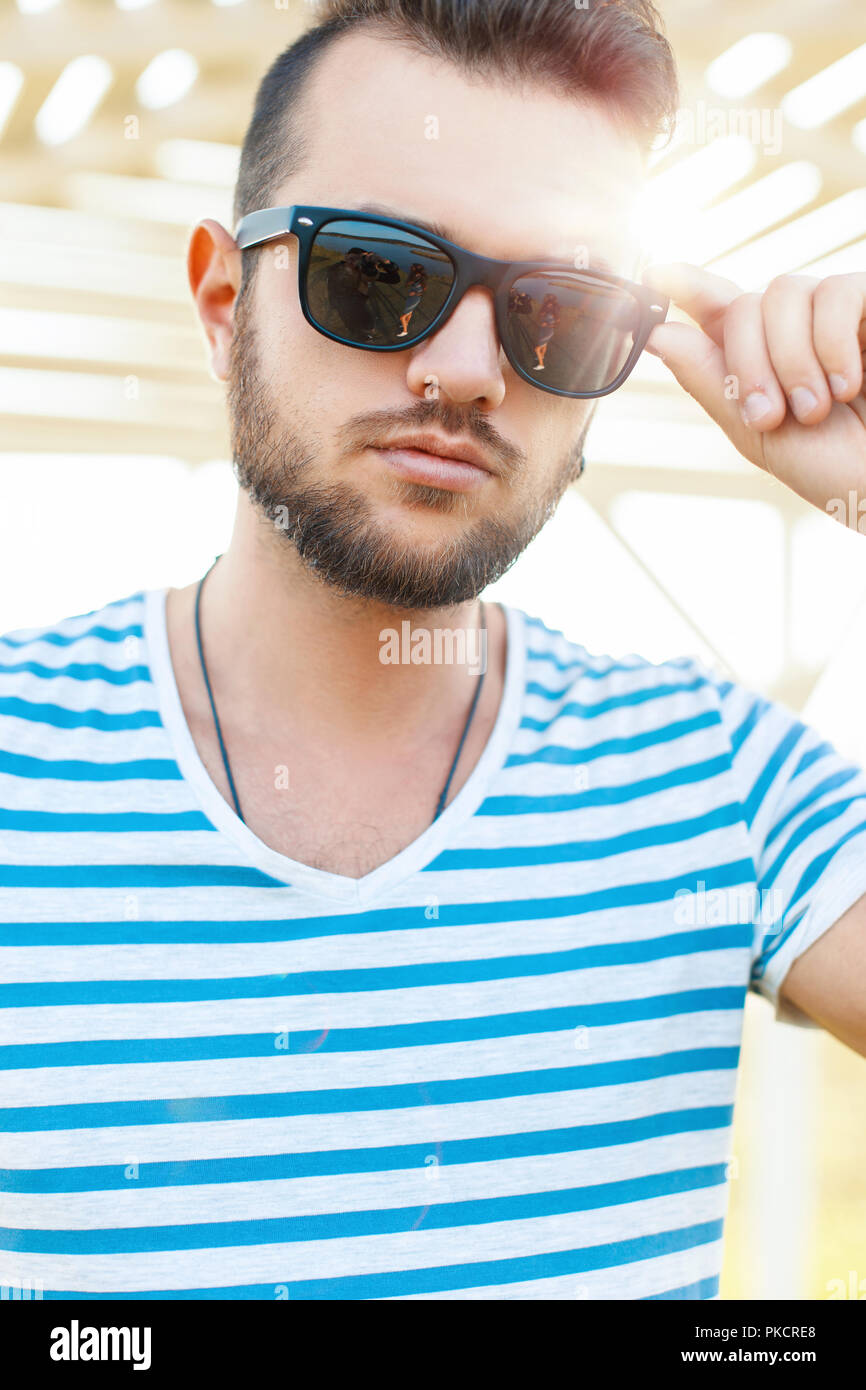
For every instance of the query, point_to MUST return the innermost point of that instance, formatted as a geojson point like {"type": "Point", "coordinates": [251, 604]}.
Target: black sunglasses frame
{"type": "Point", "coordinates": [269, 224]}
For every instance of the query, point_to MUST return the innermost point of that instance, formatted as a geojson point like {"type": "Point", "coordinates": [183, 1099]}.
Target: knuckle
{"type": "Point", "coordinates": [832, 287]}
{"type": "Point", "coordinates": [787, 284]}
{"type": "Point", "coordinates": [780, 284]}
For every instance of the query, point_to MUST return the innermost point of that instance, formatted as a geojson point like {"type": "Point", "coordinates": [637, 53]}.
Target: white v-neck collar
{"type": "Point", "coordinates": [352, 891]}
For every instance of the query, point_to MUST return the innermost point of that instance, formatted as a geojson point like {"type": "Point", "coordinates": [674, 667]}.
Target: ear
{"type": "Point", "coordinates": [214, 269]}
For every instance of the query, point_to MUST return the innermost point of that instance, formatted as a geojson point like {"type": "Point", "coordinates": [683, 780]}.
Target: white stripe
{"type": "Point", "coordinates": [302, 1012]}
{"type": "Point", "coordinates": [280, 1073]}
{"type": "Point", "coordinates": [136, 1205]}
{"type": "Point", "coordinates": [379, 1254]}
{"type": "Point", "coordinates": [124, 1144]}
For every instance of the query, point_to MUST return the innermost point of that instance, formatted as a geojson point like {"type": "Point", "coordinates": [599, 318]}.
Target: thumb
{"type": "Point", "coordinates": [699, 366]}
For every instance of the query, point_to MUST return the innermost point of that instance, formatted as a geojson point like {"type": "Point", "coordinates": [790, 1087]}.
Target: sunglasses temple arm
{"type": "Point", "coordinates": [264, 225]}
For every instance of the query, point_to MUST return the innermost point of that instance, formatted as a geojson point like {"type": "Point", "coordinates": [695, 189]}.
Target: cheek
{"type": "Point", "coordinates": [547, 427]}
{"type": "Point", "coordinates": [310, 368]}
{"type": "Point", "coordinates": [288, 336]}
{"type": "Point", "coordinates": [322, 384]}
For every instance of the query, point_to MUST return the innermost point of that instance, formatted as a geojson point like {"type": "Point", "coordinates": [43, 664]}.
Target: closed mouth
{"type": "Point", "coordinates": [459, 450]}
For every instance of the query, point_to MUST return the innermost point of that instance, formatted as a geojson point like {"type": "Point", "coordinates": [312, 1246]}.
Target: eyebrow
{"type": "Point", "coordinates": [440, 230]}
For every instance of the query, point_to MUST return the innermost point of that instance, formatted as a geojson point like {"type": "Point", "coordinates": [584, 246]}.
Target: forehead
{"type": "Point", "coordinates": [510, 172]}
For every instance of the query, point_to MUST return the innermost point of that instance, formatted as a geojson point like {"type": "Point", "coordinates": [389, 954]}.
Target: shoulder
{"type": "Point", "coordinates": [70, 674]}
{"type": "Point", "coordinates": [78, 638]}
{"type": "Point", "coordinates": [679, 707]}
{"type": "Point", "coordinates": [563, 672]}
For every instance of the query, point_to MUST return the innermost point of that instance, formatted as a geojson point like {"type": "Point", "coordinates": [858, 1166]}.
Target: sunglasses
{"type": "Point", "coordinates": [383, 285]}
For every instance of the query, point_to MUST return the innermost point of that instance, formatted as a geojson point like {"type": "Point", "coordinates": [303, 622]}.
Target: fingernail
{"type": "Point", "coordinates": [755, 407]}
{"type": "Point", "coordinates": [803, 401]}
{"type": "Point", "coordinates": [838, 384]}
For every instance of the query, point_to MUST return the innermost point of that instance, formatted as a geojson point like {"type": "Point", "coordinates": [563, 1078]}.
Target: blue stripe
{"type": "Point", "coordinates": [133, 876]}
{"type": "Point", "coordinates": [773, 941]}
{"type": "Point", "coordinates": [702, 1288]}
{"type": "Point", "coordinates": [80, 671]}
{"type": "Point", "coordinates": [37, 634]}
{"type": "Point", "coordinates": [759, 791]}
{"type": "Point", "coordinates": [332, 1162]}
{"type": "Point", "coordinates": [102, 822]}
{"type": "Point", "coordinates": [824, 816]}
{"type": "Point", "coordinates": [357, 1099]}
{"type": "Point", "coordinates": [297, 984]}
{"type": "Point", "coordinates": [758, 707]}
{"type": "Point", "coordinates": [58, 717]}
{"type": "Point", "coordinates": [350, 923]}
{"type": "Point", "coordinates": [569, 757]}
{"type": "Point", "coordinates": [818, 865]}
{"type": "Point", "coordinates": [605, 796]}
{"type": "Point", "coordinates": [577, 851]}
{"type": "Point", "coordinates": [341, 1225]}
{"type": "Point", "coordinates": [530, 620]}
{"type": "Point", "coordinates": [599, 707]}
{"type": "Point", "coordinates": [830, 784]}
{"type": "Point", "coordinates": [759, 964]}
{"type": "Point", "coordinates": [814, 755]}
{"type": "Point", "coordinates": [575, 664]}
{"type": "Point", "coordinates": [60, 639]}
{"type": "Point", "coordinates": [113, 1052]}
{"type": "Point", "coordinates": [480, 1273]}
{"type": "Point", "coordinates": [77, 770]}
{"type": "Point", "coordinates": [582, 663]}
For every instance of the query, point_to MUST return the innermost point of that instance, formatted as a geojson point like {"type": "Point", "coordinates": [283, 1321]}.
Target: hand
{"type": "Point", "coordinates": [755, 357]}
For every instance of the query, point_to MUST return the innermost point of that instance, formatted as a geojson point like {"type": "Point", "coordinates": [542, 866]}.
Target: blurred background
{"type": "Point", "coordinates": [120, 127]}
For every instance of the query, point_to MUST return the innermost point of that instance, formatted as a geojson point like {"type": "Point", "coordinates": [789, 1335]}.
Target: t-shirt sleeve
{"type": "Point", "coordinates": [805, 813]}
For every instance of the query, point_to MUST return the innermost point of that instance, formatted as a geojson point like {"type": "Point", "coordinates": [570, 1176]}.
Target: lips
{"type": "Point", "coordinates": [431, 461]}
{"type": "Point", "coordinates": [433, 446]}
{"type": "Point", "coordinates": [434, 470]}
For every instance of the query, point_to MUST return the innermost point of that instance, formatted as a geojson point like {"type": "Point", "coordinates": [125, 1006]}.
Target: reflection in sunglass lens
{"type": "Point", "coordinates": [375, 285]}
{"type": "Point", "coordinates": [569, 330]}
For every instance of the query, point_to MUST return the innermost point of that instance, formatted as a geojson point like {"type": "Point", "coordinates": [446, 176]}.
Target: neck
{"type": "Point", "coordinates": [277, 640]}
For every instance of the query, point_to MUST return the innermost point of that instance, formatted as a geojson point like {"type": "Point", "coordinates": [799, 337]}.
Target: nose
{"type": "Point", "coordinates": [463, 360]}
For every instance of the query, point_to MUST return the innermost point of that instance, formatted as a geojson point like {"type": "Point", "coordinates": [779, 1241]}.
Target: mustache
{"type": "Point", "coordinates": [361, 431]}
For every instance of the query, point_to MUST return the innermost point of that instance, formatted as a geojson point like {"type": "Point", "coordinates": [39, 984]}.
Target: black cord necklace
{"type": "Point", "coordinates": [440, 806]}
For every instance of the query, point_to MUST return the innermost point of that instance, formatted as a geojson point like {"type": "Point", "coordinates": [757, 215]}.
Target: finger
{"type": "Point", "coordinates": [787, 310]}
{"type": "Point", "coordinates": [762, 400]}
{"type": "Point", "coordinates": [699, 366]}
{"type": "Point", "coordinates": [839, 311]}
{"type": "Point", "coordinates": [703, 296]}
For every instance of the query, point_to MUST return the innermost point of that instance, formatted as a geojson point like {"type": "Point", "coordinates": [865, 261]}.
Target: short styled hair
{"type": "Point", "coordinates": [613, 50]}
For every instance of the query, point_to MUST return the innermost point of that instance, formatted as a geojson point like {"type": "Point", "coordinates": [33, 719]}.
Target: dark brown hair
{"type": "Point", "coordinates": [614, 50]}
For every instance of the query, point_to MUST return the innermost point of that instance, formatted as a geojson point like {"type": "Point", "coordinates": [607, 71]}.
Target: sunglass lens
{"type": "Point", "coordinates": [570, 331]}
{"type": "Point", "coordinates": [375, 285]}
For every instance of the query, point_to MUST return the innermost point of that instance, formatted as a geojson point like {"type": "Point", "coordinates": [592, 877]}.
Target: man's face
{"type": "Point", "coordinates": [507, 175]}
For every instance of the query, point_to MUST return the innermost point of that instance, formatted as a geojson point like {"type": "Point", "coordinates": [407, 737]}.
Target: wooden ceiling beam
{"type": "Point", "coordinates": [131, 38]}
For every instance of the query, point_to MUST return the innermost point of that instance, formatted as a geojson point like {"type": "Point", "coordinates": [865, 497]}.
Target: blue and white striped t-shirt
{"type": "Point", "coordinates": [501, 1065]}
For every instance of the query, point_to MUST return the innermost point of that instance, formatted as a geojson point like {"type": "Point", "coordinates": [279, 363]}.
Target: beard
{"type": "Point", "coordinates": [333, 526]}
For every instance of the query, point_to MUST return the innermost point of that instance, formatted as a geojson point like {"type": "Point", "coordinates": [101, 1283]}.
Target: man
{"type": "Point", "coordinates": [349, 281]}
{"type": "Point", "coordinates": [342, 976]}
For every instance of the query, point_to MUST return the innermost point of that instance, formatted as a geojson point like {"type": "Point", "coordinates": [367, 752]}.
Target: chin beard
{"type": "Point", "coordinates": [333, 527]}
